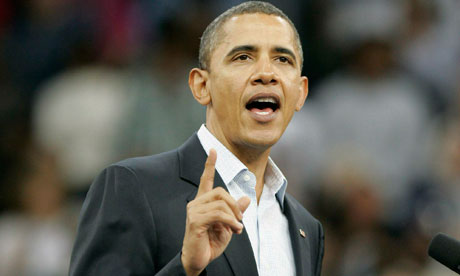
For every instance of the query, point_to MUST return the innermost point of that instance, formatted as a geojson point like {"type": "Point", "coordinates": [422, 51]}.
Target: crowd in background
{"type": "Point", "coordinates": [374, 154]}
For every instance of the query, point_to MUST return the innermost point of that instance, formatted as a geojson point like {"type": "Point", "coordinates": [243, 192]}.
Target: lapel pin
{"type": "Point", "coordinates": [302, 233]}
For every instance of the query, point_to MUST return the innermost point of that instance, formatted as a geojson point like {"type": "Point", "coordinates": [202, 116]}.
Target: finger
{"type": "Point", "coordinates": [207, 215]}
{"type": "Point", "coordinates": [217, 216]}
{"type": "Point", "coordinates": [207, 178]}
{"type": "Point", "coordinates": [220, 205]}
{"type": "Point", "coordinates": [219, 227]}
{"type": "Point", "coordinates": [217, 194]}
{"type": "Point", "coordinates": [243, 203]}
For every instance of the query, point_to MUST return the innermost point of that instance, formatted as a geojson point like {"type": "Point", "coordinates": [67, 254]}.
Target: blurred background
{"type": "Point", "coordinates": [374, 154]}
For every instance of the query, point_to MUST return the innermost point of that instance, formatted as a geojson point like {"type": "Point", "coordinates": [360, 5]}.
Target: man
{"type": "Point", "coordinates": [170, 214]}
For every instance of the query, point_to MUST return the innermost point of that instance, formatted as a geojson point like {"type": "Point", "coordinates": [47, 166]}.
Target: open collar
{"type": "Point", "coordinates": [229, 166]}
{"type": "Point", "coordinates": [239, 252]}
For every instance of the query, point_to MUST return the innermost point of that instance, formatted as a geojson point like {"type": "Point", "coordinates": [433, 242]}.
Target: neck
{"type": "Point", "coordinates": [254, 158]}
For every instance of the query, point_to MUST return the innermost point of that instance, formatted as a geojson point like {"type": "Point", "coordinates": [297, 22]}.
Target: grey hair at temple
{"type": "Point", "coordinates": [211, 35]}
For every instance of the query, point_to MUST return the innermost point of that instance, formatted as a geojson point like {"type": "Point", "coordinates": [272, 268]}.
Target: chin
{"type": "Point", "coordinates": [263, 139]}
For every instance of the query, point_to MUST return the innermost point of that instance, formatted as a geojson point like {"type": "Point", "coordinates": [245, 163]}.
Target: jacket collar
{"type": "Point", "coordinates": [191, 160]}
{"type": "Point", "coordinates": [239, 252]}
{"type": "Point", "coordinates": [300, 244]}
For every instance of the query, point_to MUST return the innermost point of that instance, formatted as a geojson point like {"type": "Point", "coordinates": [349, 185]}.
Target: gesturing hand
{"type": "Point", "coordinates": [212, 217]}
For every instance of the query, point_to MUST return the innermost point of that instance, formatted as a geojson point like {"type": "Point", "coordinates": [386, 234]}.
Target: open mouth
{"type": "Point", "coordinates": [263, 105]}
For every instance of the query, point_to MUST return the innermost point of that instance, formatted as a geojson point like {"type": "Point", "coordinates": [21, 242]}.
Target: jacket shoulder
{"type": "Point", "coordinates": [153, 166]}
{"type": "Point", "coordinates": [304, 213]}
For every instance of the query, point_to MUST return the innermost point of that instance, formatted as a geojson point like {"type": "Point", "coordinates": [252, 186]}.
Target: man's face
{"type": "Point", "coordinates": [254, 81]}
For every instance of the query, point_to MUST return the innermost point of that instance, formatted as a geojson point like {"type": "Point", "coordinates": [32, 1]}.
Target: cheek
{"type": "Point", "coordinates": [293, 97]}
{"type": "Point", "coordinates": [228, 92]}
{"type": "Point", "coordinates": [225, 103]}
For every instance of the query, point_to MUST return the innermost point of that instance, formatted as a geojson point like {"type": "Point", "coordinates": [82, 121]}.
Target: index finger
{"type": "Point", "coordinates": [207, 178]}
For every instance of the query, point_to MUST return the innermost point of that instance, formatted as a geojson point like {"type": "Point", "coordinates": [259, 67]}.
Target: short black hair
{"type": "Point", "coordinates": [209, 39]}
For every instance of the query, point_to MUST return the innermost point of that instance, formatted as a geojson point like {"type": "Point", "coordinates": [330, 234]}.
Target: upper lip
{"type": "Point", "coordinates": [265, 95]}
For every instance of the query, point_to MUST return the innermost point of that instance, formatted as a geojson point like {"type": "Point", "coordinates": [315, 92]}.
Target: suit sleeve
{"type": "Point", "coordinates": [116, 233]}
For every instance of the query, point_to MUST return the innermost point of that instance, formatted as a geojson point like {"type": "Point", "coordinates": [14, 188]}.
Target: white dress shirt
{"type": "Point", "coordinates": [265, 223]}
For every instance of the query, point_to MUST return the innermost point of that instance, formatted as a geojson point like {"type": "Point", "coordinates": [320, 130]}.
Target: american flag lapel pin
{"type": "Point", "coordinates": [302, 233]}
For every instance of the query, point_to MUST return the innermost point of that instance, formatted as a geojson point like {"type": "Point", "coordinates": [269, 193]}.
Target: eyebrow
{"type": "Point", "coordinates": [242, 48]}
{"type": "Point", "coordinates": [286, 51]}
{"type": "Point", "coordinates": [251, 48]}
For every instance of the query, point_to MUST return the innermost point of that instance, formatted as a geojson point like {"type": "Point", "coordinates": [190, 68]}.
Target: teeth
{"type": "Point", "coordinates": [265, 100]}
{"type": "Point", "coordinates": [263, 112]}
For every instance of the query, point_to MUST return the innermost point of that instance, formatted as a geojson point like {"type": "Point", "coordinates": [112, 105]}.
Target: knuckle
{"type": "Point", "coordinates": [216, 214]}
{"type": "Point", "coordinates": [220, 205]}
{"type": "Point", "coordinates": [190, 207]}
{"type": "Point", "coordinates": [220, 190]}
{"type": "Point", "coordinates": [193, 225]}
{"type": "Point", "coordinates": [191, 219]}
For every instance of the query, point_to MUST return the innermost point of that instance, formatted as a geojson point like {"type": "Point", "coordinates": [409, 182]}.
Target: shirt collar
{"type": "Point", "coordinates": [229, 166]}
{"type": "Point", "coordinates": [276, 181]}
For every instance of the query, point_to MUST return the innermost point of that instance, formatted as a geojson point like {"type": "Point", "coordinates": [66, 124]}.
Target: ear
{"type": "Point", "coordinates": [198, 82]}
{"type": "Point", "coordinates": [303, 90]}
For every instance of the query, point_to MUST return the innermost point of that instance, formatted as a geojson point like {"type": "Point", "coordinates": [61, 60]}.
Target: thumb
{"type": "Point", "coordinates": [243, 203]}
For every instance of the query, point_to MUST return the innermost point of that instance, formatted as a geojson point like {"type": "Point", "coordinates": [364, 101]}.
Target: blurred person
{"type": "Point", "coordinates": [303, 166]}
{"type": "Point", "coordinates": [438, 204]}
{"type": "Point", "coordinates": [443, 184]}
{"type": "Point", "coordinates": [352, 207]}
{"type": "Point", "coordinates": [36, 240]}
{"type": "Point", "coordinates": [372, 110]}
{"type": "Point", "coordinates": [77, 117]}
{"type": "Point", "coordinates": [37, 39]}
{"type": "Point", "coordinates": [156, 98]}
{"type": "Point", "coordinates": [447, 176]}
{"type": "Point", "coordinates": [368, 107]}
{"type": "Point", "coordinates": [156, 215]}
{"type": "Point", "coordinates": [434, 198]}
{"type": "Point", "coordinates": [429, 47]}
{"type": "Point", "coordinates": [414, 259]}
{"type": "Point", "coordinates": [40, 41]}
{"type": "Point", "coordinates": [124, 106]}
{"type": "Point", "coordinates": [350, 23]}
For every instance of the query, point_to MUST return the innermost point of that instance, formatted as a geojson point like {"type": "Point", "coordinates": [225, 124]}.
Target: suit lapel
{"type": "Point", "coordinates": [300, 244]}
{"type": "Point", "coordinates": [238, 253]}
{"type": "Point", "coordinates": [191, 160]}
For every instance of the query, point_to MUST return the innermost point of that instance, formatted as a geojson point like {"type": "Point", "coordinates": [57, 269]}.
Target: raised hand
{"type": "Point", "coordinates": [212, 217]}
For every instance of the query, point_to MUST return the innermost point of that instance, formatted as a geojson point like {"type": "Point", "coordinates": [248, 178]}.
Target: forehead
{"type": "Point", "coordinates": [256, 29]}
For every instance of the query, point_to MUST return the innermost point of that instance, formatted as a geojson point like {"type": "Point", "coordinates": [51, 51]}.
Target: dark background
{"type": "Point", "coordinates": [374, 154]}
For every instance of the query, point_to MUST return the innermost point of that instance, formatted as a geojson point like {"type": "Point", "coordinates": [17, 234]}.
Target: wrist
{"type": "Point", "coordinates": [187, 268]}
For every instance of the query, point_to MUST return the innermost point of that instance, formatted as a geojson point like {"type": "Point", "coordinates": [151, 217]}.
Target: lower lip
{"type": "Point", "coordinates": [264, 116]}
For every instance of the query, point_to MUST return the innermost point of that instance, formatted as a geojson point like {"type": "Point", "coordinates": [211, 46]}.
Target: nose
{"type": "Point", "coordinates": [264, 73]}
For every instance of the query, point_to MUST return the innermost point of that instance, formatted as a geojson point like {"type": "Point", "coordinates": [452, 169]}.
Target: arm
{"type": "Point", "coordinates": [116, 233]}
{"type": "Point", "coordinates": [212, 218]}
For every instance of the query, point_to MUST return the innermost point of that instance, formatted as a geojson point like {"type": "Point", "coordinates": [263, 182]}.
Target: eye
{"type": "Point", "coordinates": [284, 60]}
{"type": "Point", "coordinates": [242, 57]}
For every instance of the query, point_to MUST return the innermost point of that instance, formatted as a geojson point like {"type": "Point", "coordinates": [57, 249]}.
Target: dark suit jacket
{"type": "Point", "coordinates": [133, 221]}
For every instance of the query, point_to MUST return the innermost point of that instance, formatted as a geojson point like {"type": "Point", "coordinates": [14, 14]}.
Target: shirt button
{"type": "Point", "coordinates": [246, 177]}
